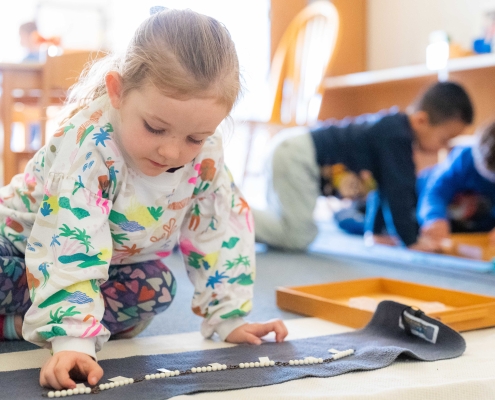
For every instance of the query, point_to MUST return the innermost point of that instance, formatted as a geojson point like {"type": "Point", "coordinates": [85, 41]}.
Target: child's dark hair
{"type": "Point", "coordinates": [485, 146]}
{"type": "Point", "coordinates": [445, 101]}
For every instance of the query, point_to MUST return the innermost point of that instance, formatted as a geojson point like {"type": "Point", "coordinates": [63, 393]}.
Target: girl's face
{"type": "Point", "coordinates": [160, 132]}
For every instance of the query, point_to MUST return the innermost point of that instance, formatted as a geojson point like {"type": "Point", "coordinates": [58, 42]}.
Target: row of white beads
{"type": "Point", "coordinates": [257, 364]}
{"type": "Point", "coordinates": [306, 361]}
{"type": "Point", "coordinates": [68, 392]}
{"type": "Point", "coordinates": [344, 353]}
{"type": "Point", "coordinates": [209, 368]}
{"type": "Point", "coordinates": [162, 375]}
{"type": "Point", "coordinates": [111, 385]}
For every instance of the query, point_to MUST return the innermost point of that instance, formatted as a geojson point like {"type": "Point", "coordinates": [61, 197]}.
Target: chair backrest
{"type": "Point", "coordinates": [300, 62]}
{"type": "Point", "coordinates": [61, 72]}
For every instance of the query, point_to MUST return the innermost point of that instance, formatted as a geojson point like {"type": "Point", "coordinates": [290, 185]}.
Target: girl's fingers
{"type": "Point", "coordinates": [61, 371]}
{"type": "Point", "coordinates": [47, 379]}
{"type": "Point", "coordinates": [90, 369]}
{"type": "Point", "coordinates": [276, 326]}
{"type": "Point", "coordinates": [281, 331]}
{"type": "Point", "coordinates": [252, 339]}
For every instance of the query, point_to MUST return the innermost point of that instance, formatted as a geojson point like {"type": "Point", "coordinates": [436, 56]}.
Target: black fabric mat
{"type": "Point", "coordinates": [377, 345]}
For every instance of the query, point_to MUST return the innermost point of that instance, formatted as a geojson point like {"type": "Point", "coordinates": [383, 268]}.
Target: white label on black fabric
{"type": "Point", "coordinates": [420, 328]}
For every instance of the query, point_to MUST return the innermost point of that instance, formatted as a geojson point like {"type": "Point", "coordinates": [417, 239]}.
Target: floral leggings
{"type": "Point", "coordinates": [133, 292]}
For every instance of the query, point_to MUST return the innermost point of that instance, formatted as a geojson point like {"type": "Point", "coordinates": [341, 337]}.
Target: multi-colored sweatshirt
{"type": "Point", "coordinates": [79, 207]}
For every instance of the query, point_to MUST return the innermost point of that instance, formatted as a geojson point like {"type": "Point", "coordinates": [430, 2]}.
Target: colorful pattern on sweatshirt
{"type": "Point", "coordinates": [79, 207]}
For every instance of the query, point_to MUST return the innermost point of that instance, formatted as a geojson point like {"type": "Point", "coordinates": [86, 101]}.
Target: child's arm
{"type": "Point", "coordinates": [67, 257]}
{"type": "Point", "coordinates": [217, 241]}
{"type": "Point", "coordinates": [396, 180]}
{"type": "Point", "coordinates": [446, 179]}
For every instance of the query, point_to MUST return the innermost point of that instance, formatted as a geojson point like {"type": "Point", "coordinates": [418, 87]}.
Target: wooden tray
{"type": "Point", "coordinates": [337, 302]}
{"type": "Point", "coordinates": [476, 246]}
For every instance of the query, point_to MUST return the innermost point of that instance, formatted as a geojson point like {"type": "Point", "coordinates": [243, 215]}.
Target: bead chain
{"type": "Point", "coordinates": [193, 370]}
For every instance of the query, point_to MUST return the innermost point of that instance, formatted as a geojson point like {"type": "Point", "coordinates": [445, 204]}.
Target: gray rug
{"type": "Point", "coordinates": [394, 331]}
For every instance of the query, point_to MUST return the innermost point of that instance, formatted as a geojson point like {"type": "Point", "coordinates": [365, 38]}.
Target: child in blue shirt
{"type": "Point", "coordinates": [458, 195]}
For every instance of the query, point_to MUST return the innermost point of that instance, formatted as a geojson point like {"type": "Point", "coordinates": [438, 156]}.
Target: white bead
{"type": "Point", "coordinates": [193, 370]}
{"type": "Point", "coordinates": [88, 390]}
{"type": "Point", "coordinates": [296, 362]}
{"type": "Point", "coordinates": [272, 363]}
{"type": "Point", "coordinates": [320, 360]}
{"type": "Point", "coordinates": [168, 374]}
{"type": "Point", "coordinates": [131, 380]}
{"type": "Point", "coordinates": [75, 391]}
{"type": "Point", "coordinates": [224, 366]}
{"type": "Point", "coordinates": [162, 375]}
{"type": "Point", "coordinates": [256, 364]}
{"type": "Point", "coordinates": [107, 386]}
{"type": "Point", "coordinates": [208, 368]}
{"type": "Point", "coordinates": [214, 368]}
{"type": "Point", "coordinates": [111, 384]}
{"type": "Point", "coordinates": [147, 377]}
{"type": "Point", "coordinates": [102, 386]}
{"type": "Point", "coordinates": [57, 393]}
{"type": "Point", "coordinates": [117, 384]}
{"type": "Point", "coordinates": [251, 365]}
{"type": "Point", "coordinates": [291, 362]}
{"type": "Point", "coordinates": [157, 376]}
{"type": "Point", "coordinates": [51, 394]}
{"type": "Point", "coordinates": [306, 362]}
{"type": "Point", "coordinates": [70, 392]}
{"type": "Point", "coordinates": [63, 393]}
{"type": "Point", "coordinates": [203, 369]}
{"type": "Point", "coordinates": [241, 365]}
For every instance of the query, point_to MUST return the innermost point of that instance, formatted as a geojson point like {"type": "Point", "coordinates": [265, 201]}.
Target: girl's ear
{"type": "Point", "coordinates": [113, 82]}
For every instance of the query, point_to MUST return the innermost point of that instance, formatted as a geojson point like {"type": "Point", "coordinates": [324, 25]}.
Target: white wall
{"type": "Point", "coordinates": [398, 29]}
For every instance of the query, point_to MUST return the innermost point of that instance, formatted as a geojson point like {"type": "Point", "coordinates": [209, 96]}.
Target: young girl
{"type": "Point", "coordinates": [136, 168]}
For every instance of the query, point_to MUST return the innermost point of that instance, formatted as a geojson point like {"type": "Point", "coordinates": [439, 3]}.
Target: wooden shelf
{"type": "Point", "coordinates": [372, 91]}
{"type": "Point", "coordinates": [407, 73]}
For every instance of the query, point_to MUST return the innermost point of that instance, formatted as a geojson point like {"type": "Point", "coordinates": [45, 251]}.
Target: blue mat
{"type": "Point", "coordinates": [331, 240]}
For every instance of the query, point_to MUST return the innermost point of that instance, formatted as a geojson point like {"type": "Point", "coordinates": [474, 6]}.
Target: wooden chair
{"type": "Point", "coordinates": [59, 73]}
{"type": "Point", "coordinates": [300, 63]}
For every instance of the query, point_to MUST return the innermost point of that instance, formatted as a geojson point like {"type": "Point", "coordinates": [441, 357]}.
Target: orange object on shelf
{"type": "Point", "coordinates": [336, 302]}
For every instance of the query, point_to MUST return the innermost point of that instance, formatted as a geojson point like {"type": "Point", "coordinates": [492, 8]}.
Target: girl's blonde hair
{"type": "Point", "coordinates": [182, 53]}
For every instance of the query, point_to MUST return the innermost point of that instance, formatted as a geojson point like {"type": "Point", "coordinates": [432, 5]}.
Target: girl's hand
{"type": "Point", "coordinates": [252, 332]}
{"type": "Point", "coordinates": [64, 366]}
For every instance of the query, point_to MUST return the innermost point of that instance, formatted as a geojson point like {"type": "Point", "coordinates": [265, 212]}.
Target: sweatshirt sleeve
{"type": "Point", "coordinates": [67, 258]}
{"type": "Point", "coordinates": [444, 181]}
{"type": "Point", "coordinates": [397, 185]}
{"type": "Point", "coordinates": [217, 242]}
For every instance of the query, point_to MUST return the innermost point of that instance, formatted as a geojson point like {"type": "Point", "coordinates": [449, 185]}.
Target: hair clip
{"type": "Point", "coordinates": [157, 9]}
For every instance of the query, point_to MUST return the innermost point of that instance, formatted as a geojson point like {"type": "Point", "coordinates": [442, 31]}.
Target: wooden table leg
{"type": "Point", "coordinates": [7, 104]}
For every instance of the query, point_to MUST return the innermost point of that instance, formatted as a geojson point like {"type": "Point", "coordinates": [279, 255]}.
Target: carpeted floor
{"type": "Point", "coordinates": [322, 264]}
